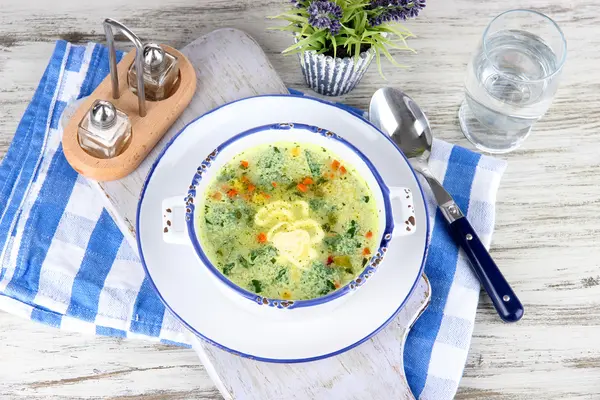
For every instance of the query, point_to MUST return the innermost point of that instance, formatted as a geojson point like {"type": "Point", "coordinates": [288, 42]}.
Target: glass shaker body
{"type": "Point", "coordinates": [160, 76]}
{"type": "Point", "coordinates": [104, 132]}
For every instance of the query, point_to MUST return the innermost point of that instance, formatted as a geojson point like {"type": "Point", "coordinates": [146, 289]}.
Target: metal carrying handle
{"type": "Point", "coordinates": [109, 24]}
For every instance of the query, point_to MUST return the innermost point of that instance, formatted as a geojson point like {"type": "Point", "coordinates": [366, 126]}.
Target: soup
{"type": "Point", "coordinates": [289, 221]}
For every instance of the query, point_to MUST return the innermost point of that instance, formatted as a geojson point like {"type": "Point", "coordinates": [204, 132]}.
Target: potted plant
{"type": "Point", "coordinates": [336, 40]}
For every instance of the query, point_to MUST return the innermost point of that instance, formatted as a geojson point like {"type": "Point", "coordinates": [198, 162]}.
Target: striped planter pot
{"type": "Point", "coordinates": [333, 76]}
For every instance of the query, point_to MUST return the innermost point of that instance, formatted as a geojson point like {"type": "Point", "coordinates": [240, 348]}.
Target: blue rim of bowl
{"type": "Point", "coordinates": [369, 268]}
{"type": "Point", "coordinates": [281, 360]}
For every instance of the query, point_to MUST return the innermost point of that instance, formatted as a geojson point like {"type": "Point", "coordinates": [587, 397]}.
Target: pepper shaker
{"type": "Point", "coordinates": [105, 131]}
{"type": "Point", "coordinates": [161, 73]}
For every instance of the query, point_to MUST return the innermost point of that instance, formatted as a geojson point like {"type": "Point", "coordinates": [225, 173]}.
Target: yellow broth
{"type": "Point", "coordinates": [289, 221]}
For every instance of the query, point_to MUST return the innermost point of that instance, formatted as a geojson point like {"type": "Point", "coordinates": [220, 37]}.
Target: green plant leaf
{"type": "Point", "coordinates": [387, 55]}
{"type": "Point", "coordinates": [296, 18]}
{"type": "Point", "coordinates": [276, 16]}
{"type": "Point", "coordinates": [305, 27]}
{"type": "Point", "coordinates": [370, 34]}
{"type": "Point", "coordinates": [405, 33]}
{"type": "Point", "coordinates": [378, 60]}
{"type": "Point", "coordinates": [394, 45]}
{"type": "Point", "coordinates": [363, 22]}
{"type": "Point", "coordinates": [289, 28]}
{"type": "Point", "coordinates": [391, 43]}
{"type": "Point", "coordinates": [310, 41]}
{"type": "Point", "coordinates": [348, 10]}
{"type": "Point", "coordinates": [348, 29]}
{"type": "Point", "coordinates": [342, 41]}
{"type": "Point", "coordinates": [333, 42]}
{"type": "Point", "coordinates": [351, 41]}
{"type": "Point", "coordinates": [301, 50]}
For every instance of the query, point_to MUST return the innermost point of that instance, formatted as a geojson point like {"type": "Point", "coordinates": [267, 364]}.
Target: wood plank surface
{"type": "Point", "coordinates": [547, 230]}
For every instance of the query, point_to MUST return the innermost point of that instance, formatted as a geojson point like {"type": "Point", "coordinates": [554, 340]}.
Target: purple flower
{"type": "Point", "coordinates": [394, 10]}
{"type": "Point", "coordinates": [335, 27]}
{"type": "Point", "coordinates": [325, 14]}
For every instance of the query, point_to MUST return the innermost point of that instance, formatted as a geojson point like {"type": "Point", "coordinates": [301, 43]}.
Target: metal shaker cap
{"type": "Point", "coordinates": [103, 114]}
{"type": "Point", "coordinates": [154, 57]}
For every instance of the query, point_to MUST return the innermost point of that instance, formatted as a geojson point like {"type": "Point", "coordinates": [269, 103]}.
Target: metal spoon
{"type": "Point", "coordinates": [399, 116]}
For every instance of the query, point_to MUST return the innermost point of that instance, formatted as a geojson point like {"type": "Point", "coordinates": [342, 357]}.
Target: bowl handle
{"type": "Point", "coordinates": [173, 220]}
{"type": "Point", "coordinates": [403, 211]}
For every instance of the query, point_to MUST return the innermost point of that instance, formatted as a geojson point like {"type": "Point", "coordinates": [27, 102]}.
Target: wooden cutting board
{"type": "Point", "coordinates": [230, 65]}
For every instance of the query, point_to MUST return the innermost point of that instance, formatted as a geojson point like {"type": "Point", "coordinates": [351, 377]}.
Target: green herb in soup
{"type": "Point", "coordinates": [288, 221]}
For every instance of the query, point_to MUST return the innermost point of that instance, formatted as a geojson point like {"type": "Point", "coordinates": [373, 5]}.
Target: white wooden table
{"type": "Point", "coordinates": [547, 236]}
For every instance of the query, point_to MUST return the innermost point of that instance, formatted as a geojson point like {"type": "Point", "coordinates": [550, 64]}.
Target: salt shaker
{"type": "Point", "coordinates": [104, 131]}
{"type": "Point", "coordinates": [161, 73]}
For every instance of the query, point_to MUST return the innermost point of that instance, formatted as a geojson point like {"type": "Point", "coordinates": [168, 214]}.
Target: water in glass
{"type": "Point", "coordinates": [510, 83]}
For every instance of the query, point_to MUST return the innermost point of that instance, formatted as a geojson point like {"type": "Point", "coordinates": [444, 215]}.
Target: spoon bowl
{"type": "Point", "coordinates": [396, 114]}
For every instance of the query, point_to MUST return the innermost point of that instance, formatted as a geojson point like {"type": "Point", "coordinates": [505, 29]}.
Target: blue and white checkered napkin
{"type": "Point", "coordinates": [65, 263]}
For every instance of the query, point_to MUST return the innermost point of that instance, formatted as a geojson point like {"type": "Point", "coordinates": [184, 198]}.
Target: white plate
{"type": "Point", "coordinates": [188, 290]}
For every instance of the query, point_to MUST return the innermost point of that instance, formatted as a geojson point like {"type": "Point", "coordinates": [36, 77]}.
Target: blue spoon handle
{"type": "Point", "coordinates": [505, 301]}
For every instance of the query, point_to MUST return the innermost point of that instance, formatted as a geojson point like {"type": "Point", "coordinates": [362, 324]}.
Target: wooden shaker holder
{"type": "Point", "coordinates": [149, 119]}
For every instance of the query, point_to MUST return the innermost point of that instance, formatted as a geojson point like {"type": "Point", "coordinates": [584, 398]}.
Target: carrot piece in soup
{"type": "Point", "coordinates": [262, 238]}
{"type": "Point", "coordinates": [335, 164]}
{"type": "Point", "coordinates": [369, 235]}
{"type": "Point", "coordinates": [366, 251]}
{"type": "Point", "coordinates": [244, 164]}
{"type": "Point", "coordinates": [308, 181]}
{"type": "Point", "coordinates": [303, 188]}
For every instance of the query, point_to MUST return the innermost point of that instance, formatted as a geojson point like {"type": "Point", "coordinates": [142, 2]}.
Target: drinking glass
{"type": "Point", "coordinates": [511, 79]}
